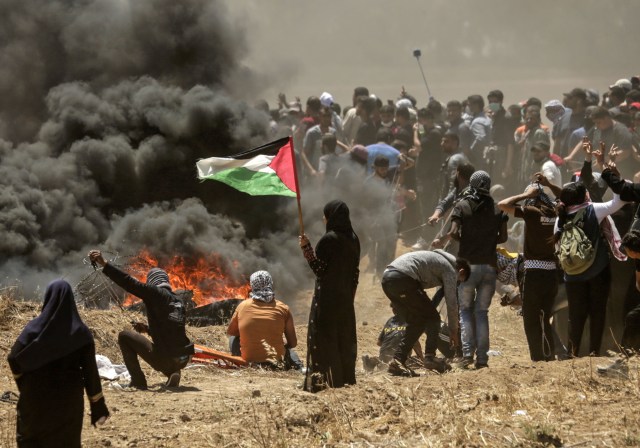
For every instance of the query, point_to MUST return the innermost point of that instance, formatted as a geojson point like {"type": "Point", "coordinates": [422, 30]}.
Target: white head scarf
{"type": "Point", "coordinates": [261, 286]}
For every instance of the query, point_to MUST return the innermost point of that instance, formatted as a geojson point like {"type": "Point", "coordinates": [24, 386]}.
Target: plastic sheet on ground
{"type": "Point", "coordinates": [109, 371]}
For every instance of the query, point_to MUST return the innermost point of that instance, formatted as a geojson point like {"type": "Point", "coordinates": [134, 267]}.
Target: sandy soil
{"type": "Point", "coordinates": [514, 403]}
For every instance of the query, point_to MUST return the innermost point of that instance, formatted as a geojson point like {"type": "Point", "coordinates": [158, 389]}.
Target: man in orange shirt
{"type": "Point", "coordinates": [527, 135]}
{"type": "Point", "coordinates": [260, 323]}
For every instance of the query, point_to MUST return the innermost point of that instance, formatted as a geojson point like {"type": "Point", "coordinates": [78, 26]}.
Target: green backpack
{"type": "Point", "coordinates": [576, 252]}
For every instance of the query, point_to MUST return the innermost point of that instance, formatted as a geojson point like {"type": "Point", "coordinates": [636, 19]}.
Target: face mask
{"type": "Point", "coordinates": [494, 107]}
{"type": "Point", "coordinates": [388, 124]}
{"type": "Point", "coordinates": [555, 115]}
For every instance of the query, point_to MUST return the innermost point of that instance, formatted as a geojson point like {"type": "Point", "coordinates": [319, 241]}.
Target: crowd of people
{"type": "Point", "coordinates": [445, 178]}
{"type": "Point", "coordinates": [449, 176]}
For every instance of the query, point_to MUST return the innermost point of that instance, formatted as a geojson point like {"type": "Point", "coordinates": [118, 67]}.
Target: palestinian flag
{"type": "Point", "coordinates": [266, 170]}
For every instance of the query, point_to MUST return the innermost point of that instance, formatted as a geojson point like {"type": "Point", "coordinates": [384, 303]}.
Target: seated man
{"type": "Point", "coordinates": [169, 349]}
{"type": "Point", "coordinates": [260, 323]}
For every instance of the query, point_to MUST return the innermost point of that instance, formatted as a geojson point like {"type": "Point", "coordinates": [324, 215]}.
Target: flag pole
{"type": "Point", "coordinates": [295, 176]}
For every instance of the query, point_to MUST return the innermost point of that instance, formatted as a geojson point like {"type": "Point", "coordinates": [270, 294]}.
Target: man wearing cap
{"type": "Point", "coordinates": [622, 83]}
{"type": "Point", "coordinates": [169, 349]}
{"type": "Point", "coordinates": [326, 99]}
{"type": "Point", "coordinates": [555, 111]}
{"type": "Point", "coordinates": [576, 100]}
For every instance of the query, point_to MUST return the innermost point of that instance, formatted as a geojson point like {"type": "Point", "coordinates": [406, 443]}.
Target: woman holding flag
{"type": "Point", "coordinates": [331, 341]}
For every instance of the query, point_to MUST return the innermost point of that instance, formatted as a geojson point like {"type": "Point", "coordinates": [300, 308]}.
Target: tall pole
{"type": "Point", "coordinates": [295, 176]}
{"type": "Point", "coordinates": [417, 54]}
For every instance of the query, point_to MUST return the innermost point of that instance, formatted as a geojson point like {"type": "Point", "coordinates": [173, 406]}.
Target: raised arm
{"type": "Point", "coordinates": [542, 179]}
{"type": "Point", "coordinates": [604, 209]}
{"type": "Point", "coordinates": [627, 190]}
{"type": "Point", "coordinates": [509, 206]}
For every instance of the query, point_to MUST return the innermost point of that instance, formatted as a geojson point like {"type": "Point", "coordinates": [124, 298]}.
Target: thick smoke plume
{"type": "Point", "coordinates": [106, 106]}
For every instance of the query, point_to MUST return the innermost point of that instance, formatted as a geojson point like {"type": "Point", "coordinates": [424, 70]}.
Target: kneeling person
{"type": "Point", "coordinates": [260, 322]}
{"type": "Point", "coordinates": [404, 282]}
{"type": "Point", "coordinates": [169, 349]}
{"type": "Point", "coordinates": [388, 340]}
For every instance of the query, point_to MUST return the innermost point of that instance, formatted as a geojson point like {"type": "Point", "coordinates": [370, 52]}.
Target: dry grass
{"type": "Point", "coordinates": [514, 403]}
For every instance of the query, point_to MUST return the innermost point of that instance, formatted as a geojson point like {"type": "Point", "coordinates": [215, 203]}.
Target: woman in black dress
{"type": "Point", "coordinates": [52, 360]}
{"type": "Point", "coordinates": [332, 344]}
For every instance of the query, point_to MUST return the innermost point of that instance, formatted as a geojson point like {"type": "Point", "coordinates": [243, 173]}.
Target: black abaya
{"type": "Point", "coordinates": [332, 344]}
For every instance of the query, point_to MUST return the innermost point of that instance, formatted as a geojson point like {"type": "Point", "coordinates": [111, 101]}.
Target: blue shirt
{"type": "Point", "coordinates": [382, 149]}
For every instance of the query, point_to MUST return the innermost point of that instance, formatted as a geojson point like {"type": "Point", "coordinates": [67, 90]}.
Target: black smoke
{"type": "Point", "coordinates": [106, 106]}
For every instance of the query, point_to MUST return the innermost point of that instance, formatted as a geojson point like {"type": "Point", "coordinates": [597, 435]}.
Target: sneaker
{"type": "Point", "coordinates": [618, 367]}
{"type": "Point", "coordinates": [174, 379]}
{"type": "Point", "coordinates": [398, 369]}
{"type": "Point", "coordinates": [438, 365]}
{"type": "Point", "coordinates": [421, 244]}
{"type": "Point", "coordinates": [481, 365]}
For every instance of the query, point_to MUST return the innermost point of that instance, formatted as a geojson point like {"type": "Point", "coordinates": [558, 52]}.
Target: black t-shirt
{"type": "Point", "coordinates": [165, 313]}
{"type": "Point", "coordinates": [480, 224]}
{"type": "Point", "coordinates": [431, 157]}
{"type": "Point", "coordinates": [390, 337]}
{"type": "Point", "coordinates": [502, 129]}
{"type": "Point", "coordinates": [366, 134]}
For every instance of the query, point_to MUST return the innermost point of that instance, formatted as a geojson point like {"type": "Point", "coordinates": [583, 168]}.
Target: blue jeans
{"type": "Point", "coordinates": [474, 297]}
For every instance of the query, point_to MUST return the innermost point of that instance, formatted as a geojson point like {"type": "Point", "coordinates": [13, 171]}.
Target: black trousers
{"type": "Point", "coordinates": [631, 333]}
{"type": "Point", "coordinates": [588, 299]}
{"type": "Point", "coordinates": [414, 307]}
{"type": "Point", "coordinates": [539, 290]}
{"type": "Point", "coordinates": [134, 344]}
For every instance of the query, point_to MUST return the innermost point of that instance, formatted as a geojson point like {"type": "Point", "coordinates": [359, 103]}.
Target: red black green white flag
{"type": "Point", "coordinates": [266, 170]}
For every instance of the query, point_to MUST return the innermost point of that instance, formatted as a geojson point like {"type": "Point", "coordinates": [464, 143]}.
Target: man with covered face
{"type": "Point", "coordinates": [169, 349]}
{"type": "Point", "coordinates": [260, 324]}
{"type": "Point", "coordinates": [540, 283]}
{"type": "Point", "coordinates": [479, 226]}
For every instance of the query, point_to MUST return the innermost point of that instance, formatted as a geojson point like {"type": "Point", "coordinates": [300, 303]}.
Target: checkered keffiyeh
{"type": "Point", "coordinates": [261, 286]}
{"type": "Point", "coordinates": [510, 269]}
{"type": "Point", "coordinates": [541, 196]}
{"type": "Point", "coordinates": [481, 181]}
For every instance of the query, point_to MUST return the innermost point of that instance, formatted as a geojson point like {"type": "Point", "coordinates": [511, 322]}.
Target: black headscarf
{"type": "Point", "coordinates": [337, 214]}
{"type": "Point", "coordinates": [55, 333]}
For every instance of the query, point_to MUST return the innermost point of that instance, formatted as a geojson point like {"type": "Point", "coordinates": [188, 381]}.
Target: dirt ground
{"type": "Point", "coordinates": [514, 403]}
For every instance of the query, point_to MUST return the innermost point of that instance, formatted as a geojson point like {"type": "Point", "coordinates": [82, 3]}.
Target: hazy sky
{"type": "Point", "coordinates": [541, 48]}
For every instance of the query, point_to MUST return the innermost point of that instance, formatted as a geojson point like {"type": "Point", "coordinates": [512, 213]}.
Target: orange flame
{"type": "Point", "coordinates": [204, 277]}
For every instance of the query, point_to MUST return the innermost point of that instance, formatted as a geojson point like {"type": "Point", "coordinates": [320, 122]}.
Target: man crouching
{"type": "Point", "coordinates": [169, 349]}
